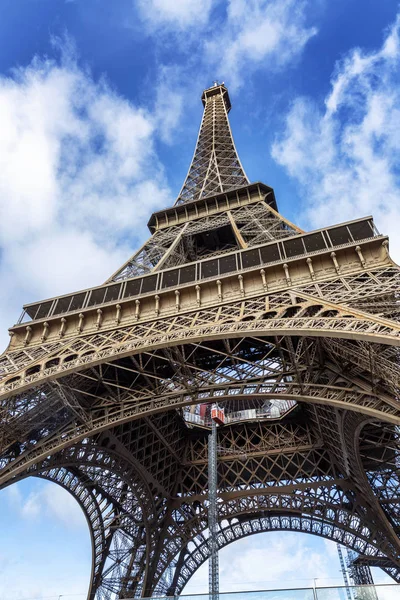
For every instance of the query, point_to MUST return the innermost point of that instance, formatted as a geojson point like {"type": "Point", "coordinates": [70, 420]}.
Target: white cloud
{"type": "Point", "coordinates": [62, 506]}
{"type": "Point", "coordinates": [45, 546]}
{"type": "Point", "coordinates": [259, 34]}
{"type": "Point", "coordinates": [78, 175]}
{"type": "Point", "coordinates": [279, 560]}
{"type": "Point", "coordinates": [169, 101]}
{"type": "Point", "coordinates": [179, 14]}
{"type": "Point", "coordinates": [47, 500]}
{"type": "Point", "coordinates": [272, 560]}
{"type": "Point", "coordinates": [14, 495]}
{"type": "Point", "coordinates": [32, 507]}
{"type": "Point", "coordinates": [229, 39]}
{"type": "Point", "coordinates": [345, 155]}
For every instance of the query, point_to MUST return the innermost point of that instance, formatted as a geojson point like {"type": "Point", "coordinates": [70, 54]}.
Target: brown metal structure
{"type": "Point", "coordinates": [295, 334]}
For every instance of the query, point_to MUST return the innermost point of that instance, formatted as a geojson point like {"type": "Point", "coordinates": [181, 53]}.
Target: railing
{"type": "Point", "coordinates": [279, 408]}
{"type": "Point", "coordinates": [361, 592]}
{"type": "Point", "coordinates": [240, 261]}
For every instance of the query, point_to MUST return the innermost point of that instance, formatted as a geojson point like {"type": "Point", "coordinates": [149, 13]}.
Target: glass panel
{"type": "Point", "coordinates": [227, 264]}
{"type": "Point", "coordinates": [331, 594]}
{"type": "Point", "coordinates": [32, 310]}
{"type": "Point", "coordinates": [187, 274]}
{"type": "Point", "coordinates": [77, 301]}
{"type": "Point", "coordinates": [364, 592]}
{"type": "Point", "coordinates": [170, 278]}
{"type": "Point", "coordinates": [339, 235]}
{"type": "Point", "coordinates": [361, 231]}
{"type": "Point", "coordinates": [270, 253]}
{"type": "Point", "coordinates": [294, 247]}
{"type": "Point", "coordinates": [360, 592]}
{"type": "Point", "coordinates": [314, 241]}
{"type": "Point", "coordinates": [133, 288]}
{"type": "Point", "coordinates": [62, 305]}
{"type": "Point", "coordinates": [294, 594]}
{"type": "Point", "coordinates": [112, 292]}
{"type": "Point", "coordinates": [209, 269]}
{"type": "Point", "coordinates": [387, 592]}
{"type": "Point", "coordinates": [149, 284]}
{"type": "Point", "coordinates": [96, 297]}
{"type": "Point", "coordinates": [251, 258]}
{"type": "Point", "coordinates": [44, 309]}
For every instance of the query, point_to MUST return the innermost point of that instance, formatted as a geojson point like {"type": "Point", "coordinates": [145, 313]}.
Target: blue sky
{"type": "Point", "coordinates": [99, 111]}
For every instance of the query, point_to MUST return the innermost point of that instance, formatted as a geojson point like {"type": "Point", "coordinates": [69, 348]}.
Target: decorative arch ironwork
{"type": "Point", "coordinates": [188, 563]}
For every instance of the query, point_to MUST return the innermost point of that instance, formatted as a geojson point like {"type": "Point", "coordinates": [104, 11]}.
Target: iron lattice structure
{"type": "Point", "coordinates": [106, 391]}
{"type": "Point", "coordinates": [361, 576]}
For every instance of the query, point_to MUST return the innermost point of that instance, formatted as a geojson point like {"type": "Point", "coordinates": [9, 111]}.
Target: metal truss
{"type": "Point", "coordinates": [244, 527]}
{"type": "Point", "coordinates": [215, 165]}
{"type": "Point", "coordinates": [226, 302]}
{"type": "Point", "coordinates": [116, 503]}
{"type": "Point", "coordinates": [361, 576]}
{"type": "Point", "coordinates": [243, 227]}
{"type": "Point", "coordinates": [344, 571]}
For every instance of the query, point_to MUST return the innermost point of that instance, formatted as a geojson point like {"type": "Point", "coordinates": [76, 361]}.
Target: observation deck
{"type": "Point", "coordinates": [315, 243]}
{"type": "Point", "coordinates": [199, 414]}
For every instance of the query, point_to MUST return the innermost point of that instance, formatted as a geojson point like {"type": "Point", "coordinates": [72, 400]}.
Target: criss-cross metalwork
{"type": "Point", "coordinates": [107, 391]}
{"type": "Point", "coordinates": [215, 165]}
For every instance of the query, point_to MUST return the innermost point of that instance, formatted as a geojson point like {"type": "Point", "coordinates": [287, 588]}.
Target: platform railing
{"type": "Point", "coordinates": [278, 409]}
{"type": "Point", "coordinates": [362, 592]}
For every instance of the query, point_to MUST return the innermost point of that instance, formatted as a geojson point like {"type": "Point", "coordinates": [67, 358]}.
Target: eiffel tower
{"type": "Point", "coordinates": [107, 391]}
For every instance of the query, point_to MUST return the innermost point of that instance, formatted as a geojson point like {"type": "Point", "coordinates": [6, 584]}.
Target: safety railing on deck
{"type": "Point", "coordinates": [362, 592]}
{"type": "Point", "coordinates": [274, 411]}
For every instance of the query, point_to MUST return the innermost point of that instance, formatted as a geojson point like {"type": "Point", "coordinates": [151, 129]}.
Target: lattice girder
{"type": "Point", "coordinates": [111, 410]}
{"type": "Point", "coordinates": [38, 338]}
{"type": "Point", "coordinates": [247, 226]}
{"type": "Point", "coordinates": [335, 504]}
{"type": "Point", "coordinates": [215, 165]}
{"type": "Point", "coordinates": [227, 302]}
{"type": "Point", "coordinates": [124, 407]}
{"type": "Point", "coordinates": [243, 528]}
{"type": "Point", "coordinates": [363, 514]}
{"type": "Point", "coordinates": [240, 505]}
{"type": "Point", "coordinates": [98, 510]}
{"type": "Point", "coordinates": [279, 314]}
{"type": "Point", "coordinates": [119, 508]}
{"type": "Point", "coordinates": [342, 432]}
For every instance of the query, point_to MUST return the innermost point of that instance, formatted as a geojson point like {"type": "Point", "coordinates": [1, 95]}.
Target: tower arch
{"type": "Point", "coordinates": [296, 334]}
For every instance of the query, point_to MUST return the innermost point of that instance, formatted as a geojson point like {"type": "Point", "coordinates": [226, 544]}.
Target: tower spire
{"type": "Point", "coordinates": [215, 166]}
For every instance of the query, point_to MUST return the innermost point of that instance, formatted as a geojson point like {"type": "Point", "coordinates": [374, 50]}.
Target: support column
{"type": "Point", "coordinates": [212, 513]}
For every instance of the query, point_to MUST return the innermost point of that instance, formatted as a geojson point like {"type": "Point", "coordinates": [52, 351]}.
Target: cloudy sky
{"type": "Point", "coordinates": [99, 110]}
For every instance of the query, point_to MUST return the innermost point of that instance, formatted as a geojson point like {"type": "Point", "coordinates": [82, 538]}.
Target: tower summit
{"type": "Point", "coordinates": [107, 391]}
{"type": "Point", "coordinates": [216, 189]}
{"type": "Point", "coordinates": [215, 165]}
